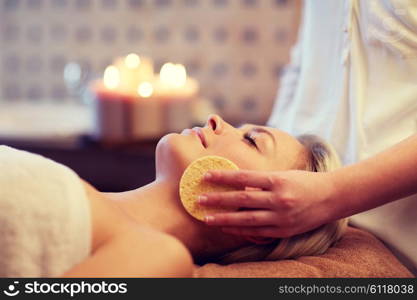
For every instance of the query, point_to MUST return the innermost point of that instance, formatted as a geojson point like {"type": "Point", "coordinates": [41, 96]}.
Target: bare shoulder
{"type": "Point", "coordinates": [124, 248]}
{"type": "Point", "coordinates": [107, 219]}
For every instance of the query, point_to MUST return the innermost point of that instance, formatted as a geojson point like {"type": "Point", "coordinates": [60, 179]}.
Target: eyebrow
{"type": "Point", "coordinates": [261, 129]}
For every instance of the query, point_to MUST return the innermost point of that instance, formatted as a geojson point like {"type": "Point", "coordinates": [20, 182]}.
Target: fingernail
{"type": "Point", "coordinates": [208, 219]}
{"type": "Point", "coordinates": [202, 199]}
{"type": "Point", "coordinates": [208, 176]}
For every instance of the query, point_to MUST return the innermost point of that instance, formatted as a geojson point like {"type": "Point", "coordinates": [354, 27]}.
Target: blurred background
{"type": "Point", "coordinates": [51, 50]}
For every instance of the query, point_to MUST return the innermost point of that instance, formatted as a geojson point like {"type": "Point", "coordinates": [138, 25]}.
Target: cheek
{"type": "Point", "coordinates": [243, 156]}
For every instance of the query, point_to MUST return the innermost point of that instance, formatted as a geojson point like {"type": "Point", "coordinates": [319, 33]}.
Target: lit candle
{"type": "Point", "coordinates": [147, 115]}
{"type": "Point", "coordinates": [111, 77]}
{"type": "Point", "coordinates": [176, 91]}
{"type": "Point", "coordinates": [173, 75]}
{"type": "Point", "coordinates": [133, 71]}
{"type": "Point", "coordinates": [109, 108]}
{"type": "Point", "coordinates": [145, 89]}
{"type": "Point", "coordinates": [174, 83]}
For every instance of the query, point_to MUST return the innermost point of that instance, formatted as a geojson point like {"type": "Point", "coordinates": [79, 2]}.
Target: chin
{"type": "Point", "coordinates": [172, 156]}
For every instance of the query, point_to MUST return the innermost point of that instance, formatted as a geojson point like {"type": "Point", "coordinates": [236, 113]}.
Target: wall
{"type": "Point", "coordinates": [235, 48]}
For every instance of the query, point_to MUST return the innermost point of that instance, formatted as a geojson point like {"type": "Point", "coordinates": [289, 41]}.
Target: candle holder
{"type": "Point", "coordinates": [146, 119]}
{"type": "Point", "coordinates": [110, 110]}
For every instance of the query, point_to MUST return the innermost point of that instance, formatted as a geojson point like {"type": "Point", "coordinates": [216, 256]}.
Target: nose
{"type": "Point", "coordinates": [216, 123]}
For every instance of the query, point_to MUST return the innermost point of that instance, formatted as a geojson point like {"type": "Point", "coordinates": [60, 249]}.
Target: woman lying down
{"type": "Point", "coordinates": [54, 224]}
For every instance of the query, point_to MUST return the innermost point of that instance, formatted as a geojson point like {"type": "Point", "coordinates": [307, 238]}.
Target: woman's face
{"type": "Point", "coordinates": [249, 147]}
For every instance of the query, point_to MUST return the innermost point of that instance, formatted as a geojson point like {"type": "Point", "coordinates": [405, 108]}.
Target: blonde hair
{"type": "Point", "coordinates": [323, 158]}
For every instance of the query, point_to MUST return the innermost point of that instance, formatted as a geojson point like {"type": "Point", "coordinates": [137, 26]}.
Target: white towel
{"type": "Point", "coordinates": [45, 223]}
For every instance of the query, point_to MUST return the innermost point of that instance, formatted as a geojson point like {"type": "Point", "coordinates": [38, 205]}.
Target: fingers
{"type": "Point", "coordinates": [242, 218]}
{"type": "Point", "coordinates": [263, 231]}
{"type": "Point", "coordinates": [247, 199]}
{"type": "Point", "coordinates": [242, 178]}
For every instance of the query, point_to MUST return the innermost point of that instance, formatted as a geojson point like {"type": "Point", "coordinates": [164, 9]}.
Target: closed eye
{"type": "Point", "coordinates": [247, 136]}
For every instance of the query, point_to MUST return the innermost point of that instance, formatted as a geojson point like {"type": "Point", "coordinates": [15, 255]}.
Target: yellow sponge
{"type": "Point", "coordinates": [192, 185]}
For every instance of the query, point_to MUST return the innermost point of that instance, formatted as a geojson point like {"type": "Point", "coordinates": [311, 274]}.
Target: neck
{"type": "Point", "coordinates": [157, 204]}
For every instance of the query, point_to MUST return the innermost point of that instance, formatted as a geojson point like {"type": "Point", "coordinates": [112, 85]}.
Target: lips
{"type": "Point", "coordinates": [201, 136]}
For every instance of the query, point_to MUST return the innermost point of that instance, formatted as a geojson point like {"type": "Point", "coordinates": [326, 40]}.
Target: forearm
{"type": "Point", "coordinates": [383, 178]}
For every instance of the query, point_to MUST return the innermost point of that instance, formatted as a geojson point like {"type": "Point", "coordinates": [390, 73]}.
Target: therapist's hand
{"type": "Point", "coordinates": [271, 204]}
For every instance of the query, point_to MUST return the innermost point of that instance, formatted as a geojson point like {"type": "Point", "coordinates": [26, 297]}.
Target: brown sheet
{"type": "Point", "coordinates": [357, 254]}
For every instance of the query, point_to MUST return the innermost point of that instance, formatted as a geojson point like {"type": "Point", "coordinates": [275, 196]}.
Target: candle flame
{"type": "Point", "coordinates": [132, 61]}
{"type": "Point", "coordinates": [145, 89]}
{"type": "Point", "coordinates": [111, 77]}
{"type": "Point", "coordinates": [173, 75]}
